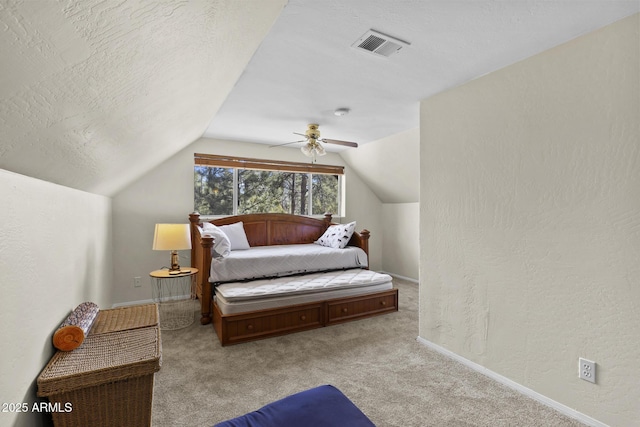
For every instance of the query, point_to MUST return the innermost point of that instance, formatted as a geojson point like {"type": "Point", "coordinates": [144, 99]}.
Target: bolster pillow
{"type": "Point", "coordinates": [75, 328]}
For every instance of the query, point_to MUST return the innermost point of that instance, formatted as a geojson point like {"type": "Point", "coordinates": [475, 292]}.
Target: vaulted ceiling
{"type": "Point", "coordinates": [306, 66]}
{"type": "Point", "coordinates": [94, 93]}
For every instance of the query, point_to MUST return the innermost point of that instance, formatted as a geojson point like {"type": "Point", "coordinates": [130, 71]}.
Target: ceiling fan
{"type": "Point", "coordinates": [313, 148]}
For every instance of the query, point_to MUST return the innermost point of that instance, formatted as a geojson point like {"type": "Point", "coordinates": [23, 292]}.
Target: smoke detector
{"type": "Point", "coordinates": [378, 44]}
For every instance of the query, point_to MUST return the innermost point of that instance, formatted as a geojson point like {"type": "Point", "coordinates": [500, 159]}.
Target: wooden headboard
{"type": "Point", "coordinates": [266, 229]}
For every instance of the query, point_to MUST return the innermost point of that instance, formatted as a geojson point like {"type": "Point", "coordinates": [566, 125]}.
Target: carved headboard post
{"type": "Point", "coordinates": [194, 220]}
{"type": "Point", "coordinates": [201, 251]}
{"type": "Point", "coordinates": [207, 295]}
{"type": "Point", "coordinates": [328, 218]}
{"type": "Point", "coordinates": [364, 237]}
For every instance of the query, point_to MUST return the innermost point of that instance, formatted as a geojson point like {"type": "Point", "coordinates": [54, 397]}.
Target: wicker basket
{"type": "Point", "coordinates": [108, 381]}
{"type": "Point", "coordinates": [124, 318]}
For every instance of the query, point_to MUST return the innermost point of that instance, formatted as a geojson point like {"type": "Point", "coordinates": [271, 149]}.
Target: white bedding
{"type": "Point", "coordinates": [240, 297]}
{"type": "Point", "coordinates": [307, 283]}
{"type": "Point", "coordinates": [284, 260]}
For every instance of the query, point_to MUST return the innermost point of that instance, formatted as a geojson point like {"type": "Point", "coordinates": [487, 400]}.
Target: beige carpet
{"type": "Point", "coordinates": [376, 362]}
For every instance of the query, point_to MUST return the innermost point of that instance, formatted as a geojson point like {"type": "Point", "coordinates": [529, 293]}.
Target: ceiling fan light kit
{"type": "Point", "coordinates": [313, 147]}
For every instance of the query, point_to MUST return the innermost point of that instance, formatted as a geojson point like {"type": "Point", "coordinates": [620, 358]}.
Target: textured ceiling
{"type": "Point", "coordinates": [306, 68]}
{"type": "Point", "coordinates": [94, 93]}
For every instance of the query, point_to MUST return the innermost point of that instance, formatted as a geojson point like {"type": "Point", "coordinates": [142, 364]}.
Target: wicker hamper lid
{"type": "Point", "coordinates": [131, 317]}
{"type": "Point", "coordinates": [103, 359]}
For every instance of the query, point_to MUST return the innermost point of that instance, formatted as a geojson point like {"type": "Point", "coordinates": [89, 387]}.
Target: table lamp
{"type": "Point", "coordinates": [174, 238]}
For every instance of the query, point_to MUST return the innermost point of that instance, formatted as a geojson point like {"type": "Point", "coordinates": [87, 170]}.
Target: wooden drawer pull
{"type": "Point", "coordinates": [383, 303]}
{"type": "Point", "coordinates": [249, 327]}
{"type": "Point", "coordinates": [344, 310]}
{"type": "Point", "coordinates": [303, 317]}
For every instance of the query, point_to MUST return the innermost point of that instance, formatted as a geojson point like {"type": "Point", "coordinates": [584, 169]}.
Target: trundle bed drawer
{"type": "Point", "coordinates": [242, 327]}
{"type": "Point", "coordinates": [351, 308]}
{"type": "Point", "coordinates": [284, 321]}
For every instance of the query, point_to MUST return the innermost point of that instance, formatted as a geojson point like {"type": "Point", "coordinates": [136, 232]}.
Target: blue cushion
{"type": "Point", "coordinates": [323, 406]}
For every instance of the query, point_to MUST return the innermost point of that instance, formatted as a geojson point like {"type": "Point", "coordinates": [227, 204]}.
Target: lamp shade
{"type": "Point", "coordinates": [172, 237]}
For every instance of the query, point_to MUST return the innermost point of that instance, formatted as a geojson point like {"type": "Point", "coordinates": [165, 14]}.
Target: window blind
{"type": "Point", "coordinates": [262, 164]}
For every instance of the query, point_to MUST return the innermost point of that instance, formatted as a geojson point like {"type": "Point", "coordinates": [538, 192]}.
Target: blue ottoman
{"type": "Point", "coordinates": [323, 406]}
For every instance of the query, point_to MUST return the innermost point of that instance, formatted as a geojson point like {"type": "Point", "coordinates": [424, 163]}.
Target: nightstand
{"type": "Point", "coordinates": [174, 294]}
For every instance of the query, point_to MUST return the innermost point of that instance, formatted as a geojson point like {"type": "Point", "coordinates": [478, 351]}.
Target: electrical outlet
{"type": "Point", "coordinates": [136, 282]}
{"type": "Point", "coordinates": [587, 370]}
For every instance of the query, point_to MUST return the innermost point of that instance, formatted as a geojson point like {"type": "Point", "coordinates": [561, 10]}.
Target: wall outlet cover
{"type": "Point", "coordinates": [587, 370]}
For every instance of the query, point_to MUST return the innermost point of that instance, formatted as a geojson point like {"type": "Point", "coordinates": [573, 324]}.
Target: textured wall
{"type": "Point", "coordinates": [94, 93]}
{"type": "Point", "coordinates": [401, 249]}
{"type": "Point", "coordinates": [530, 221]}
{"type": "Point", "coordinates": [165, 194]}
{"type": "Point", "coordinates": [55, 254]}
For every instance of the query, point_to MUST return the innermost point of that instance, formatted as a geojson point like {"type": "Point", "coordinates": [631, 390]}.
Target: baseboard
{"type": "Point", "coordinates": [563, 409]}
{"type": "Point", "coordinates": [408, 279]}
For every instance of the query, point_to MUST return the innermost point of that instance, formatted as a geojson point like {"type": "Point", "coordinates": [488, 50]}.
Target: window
{"type": "Point", "coordinates": [225, 185]}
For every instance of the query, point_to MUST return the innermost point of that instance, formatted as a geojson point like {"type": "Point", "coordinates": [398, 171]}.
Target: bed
{"type": "Point", "coordinates": [273, 277]}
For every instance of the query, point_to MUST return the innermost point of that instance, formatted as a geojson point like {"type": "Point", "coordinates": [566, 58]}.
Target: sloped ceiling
{"type": "Point", "coordinates": [306, 67]}
{"type": "Point", "coordinates": [94, 93]}
{"type": "Point", "coordinates": [390, 166]}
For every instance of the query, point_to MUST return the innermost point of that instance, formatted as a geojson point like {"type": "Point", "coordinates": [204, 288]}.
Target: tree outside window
{"type": "Point", "coordinates": [264, 191]}
{"type": "Point", "coordinates": [213, 189]}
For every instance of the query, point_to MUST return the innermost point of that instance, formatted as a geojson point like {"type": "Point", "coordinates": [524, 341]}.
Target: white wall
{"type": "Point", "coordinates": [166, 195]}
{"type": "Point", "coordinates": [401, 248]}
{"type": "Point", "coordinates": [530, 222]}
{"type": "Point", "coordinates": [55, 254]}
{"type": "Point", "coordinates": [391, 168]}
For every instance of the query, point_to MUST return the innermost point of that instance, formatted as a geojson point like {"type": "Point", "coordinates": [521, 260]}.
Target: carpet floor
{"type": "Point", "coordinates": [377, 363]}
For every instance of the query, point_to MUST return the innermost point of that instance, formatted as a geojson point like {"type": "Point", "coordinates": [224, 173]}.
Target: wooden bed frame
{"type": "Point", "coordinates": [279, 229]}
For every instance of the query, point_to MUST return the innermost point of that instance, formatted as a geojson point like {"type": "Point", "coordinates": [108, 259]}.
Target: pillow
{"type": "Point", "coordinates": [337, 236]}
{"type": "Point", "coordinates": [221, 243]}
{"type": "Point", "coordinates": [236, 234]}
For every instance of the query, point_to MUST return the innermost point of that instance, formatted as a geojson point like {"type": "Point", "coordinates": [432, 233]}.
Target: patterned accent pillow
{"type": "Point", "coordinates": [221, 242]}
{"type": "Point", "coordinates": [337, 236]}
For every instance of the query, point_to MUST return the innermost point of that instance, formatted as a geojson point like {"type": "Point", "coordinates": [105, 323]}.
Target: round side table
{"type": "Point", "coordinates": [174, 294]}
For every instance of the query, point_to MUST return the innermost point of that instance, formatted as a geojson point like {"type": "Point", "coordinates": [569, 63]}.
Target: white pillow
{"type": "Point", "coordinates": [337, 236]}
{"type": "Point", "coordinates": [237, 236]}
{"type": "Point", "coordinates": [221, 242]}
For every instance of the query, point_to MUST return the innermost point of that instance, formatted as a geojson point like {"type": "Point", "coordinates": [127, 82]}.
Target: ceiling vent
{"type": "Point", "coordinates": [378, 44]}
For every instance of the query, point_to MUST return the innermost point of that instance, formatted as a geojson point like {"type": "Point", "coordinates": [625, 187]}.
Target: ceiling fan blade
{"type": "Point", "coordinates": [338, 142]}
{"type": "Point", "coordinates": [286, 143]}
{"type": "Point", "coordinates": [301, 134]}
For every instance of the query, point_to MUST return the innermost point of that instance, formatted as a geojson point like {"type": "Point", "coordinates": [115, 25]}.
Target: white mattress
{"type": "Point", "coordinates": [234, 298]}
{"type": "Point", "coordinates": [284, 260]}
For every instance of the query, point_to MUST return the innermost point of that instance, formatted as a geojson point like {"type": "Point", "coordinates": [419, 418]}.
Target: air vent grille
{"type": "Point", "coordinates": [371, 43]}
{"type": "Point", "coordinates": [378, 44]}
